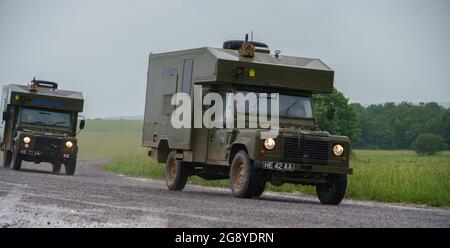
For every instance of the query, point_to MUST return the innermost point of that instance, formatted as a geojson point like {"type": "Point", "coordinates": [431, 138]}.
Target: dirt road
{"type": "Point", "coordinates": [34, 197]}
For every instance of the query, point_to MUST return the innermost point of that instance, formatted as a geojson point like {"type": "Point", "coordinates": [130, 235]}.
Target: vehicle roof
{"type": "Point", "coordinates": [259, 58]}
{"type": "Point", "coordinates": [270, 59]}
{"type": "Point", "coordinates": [217, 65]}
{"type": "Point", "coordinates": [47, 92]}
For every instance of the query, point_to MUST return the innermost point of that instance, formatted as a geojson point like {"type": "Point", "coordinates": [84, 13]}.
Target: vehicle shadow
{"type": "Point", "coordinates": [290, 199]}
{"type": "Point", "coordinates": [36, 171]}
{"type": "Point", "coordinates": [39, 169]}
{"type": "Point", "coordinates": [271, 197]}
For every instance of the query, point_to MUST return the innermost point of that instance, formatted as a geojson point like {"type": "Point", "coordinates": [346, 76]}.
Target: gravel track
{"type": "Point", "coordinates": [34, 197]}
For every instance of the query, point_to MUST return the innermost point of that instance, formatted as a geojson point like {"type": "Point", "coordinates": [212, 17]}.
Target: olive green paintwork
{"type": "Point", "coordinates": [15, 97]}
{"type": "Point", "coordinates": [216, 70]}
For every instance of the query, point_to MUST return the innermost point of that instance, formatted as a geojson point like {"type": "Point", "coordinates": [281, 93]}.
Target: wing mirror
{"type": "Point", "coordinates": [5, 115]}
{"type": "Point", "coordinates": [82, 123]}
{"type": "Point", "coordinates": [331, 111]}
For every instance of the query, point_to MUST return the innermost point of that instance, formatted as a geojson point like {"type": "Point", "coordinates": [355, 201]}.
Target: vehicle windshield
{"type": "Point", "coordinates": [45, 117]}
{"type": "Point", "coordinates": [289, 106]}
{"type": "Point", "coordinates": [295, 106]}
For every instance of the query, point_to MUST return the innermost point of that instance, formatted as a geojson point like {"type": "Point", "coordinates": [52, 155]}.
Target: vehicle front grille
{"type": "Point", "coordinates": [47, 143]}
{"type": "Point", "coordinates": [301, 148]}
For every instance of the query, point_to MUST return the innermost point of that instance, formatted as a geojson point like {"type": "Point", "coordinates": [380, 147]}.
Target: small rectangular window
{"type": "Point", "coordinates": [187, 76]}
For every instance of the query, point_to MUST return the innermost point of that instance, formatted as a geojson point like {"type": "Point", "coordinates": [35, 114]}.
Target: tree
{"type": "Point", "coordinates": [444, 120]}
{"type": "Point", "coordinates": [346, 121]}
{"type": "Point", "coordinates": [429, 144]}
{"type": "Point", "coordinates": [397, 126]}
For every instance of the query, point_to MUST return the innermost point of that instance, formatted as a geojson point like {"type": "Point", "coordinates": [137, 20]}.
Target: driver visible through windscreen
{"type": "Point", "coordinates": [44, 117]}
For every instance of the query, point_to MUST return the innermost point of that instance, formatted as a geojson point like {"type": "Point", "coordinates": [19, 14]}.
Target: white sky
{"type": "Point", "coordinates": [390, 50]}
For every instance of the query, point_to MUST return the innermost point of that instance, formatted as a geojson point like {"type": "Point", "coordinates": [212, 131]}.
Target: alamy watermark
{"type": "Point", "coordinates": [260, 108]}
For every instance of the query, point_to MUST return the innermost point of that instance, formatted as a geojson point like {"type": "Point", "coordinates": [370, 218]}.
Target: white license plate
{"type": "Point", "coordinates": [30, 153]}
{"type": "Point", "coordinates": [282, 166]}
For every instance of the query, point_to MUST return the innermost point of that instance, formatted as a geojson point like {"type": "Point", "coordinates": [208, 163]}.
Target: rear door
{"type": "Point", "coordinates": [181, 137]}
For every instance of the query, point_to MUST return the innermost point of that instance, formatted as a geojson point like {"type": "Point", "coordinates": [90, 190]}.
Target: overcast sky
{"type": "Point", "coordinates": [380, 50]}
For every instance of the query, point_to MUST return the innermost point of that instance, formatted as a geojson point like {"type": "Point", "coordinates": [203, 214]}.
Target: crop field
{"type": "Point", "coordinates": [380, 175]}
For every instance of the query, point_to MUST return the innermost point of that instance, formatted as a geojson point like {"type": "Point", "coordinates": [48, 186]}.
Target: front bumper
{"type": "Point", "coordinates": [35, 155]}
{"type": "Point", "coordinates": [289, 167]}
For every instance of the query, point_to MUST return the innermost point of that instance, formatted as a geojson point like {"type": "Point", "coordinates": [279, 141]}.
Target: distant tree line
{"type": "Point", "coordinates": [384, 126]}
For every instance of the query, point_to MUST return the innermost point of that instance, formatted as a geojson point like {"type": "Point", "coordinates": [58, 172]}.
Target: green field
{"type": "Point", "coordinates": [110, 139]}
{"type": "Point", "coordinates": [387, 176]}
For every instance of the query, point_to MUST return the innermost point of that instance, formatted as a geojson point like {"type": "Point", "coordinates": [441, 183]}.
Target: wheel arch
{"type": "Point", "coordinates": [243, 144]}
{"type": "Point", "coordinates": [162, 151]}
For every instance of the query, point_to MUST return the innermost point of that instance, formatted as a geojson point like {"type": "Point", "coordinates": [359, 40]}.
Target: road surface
{"type": "Point", "coordinates": [33, 197]}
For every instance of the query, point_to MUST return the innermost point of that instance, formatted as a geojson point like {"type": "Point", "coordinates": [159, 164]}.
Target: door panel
{"type": "Point", "coordinates": [218, 141]}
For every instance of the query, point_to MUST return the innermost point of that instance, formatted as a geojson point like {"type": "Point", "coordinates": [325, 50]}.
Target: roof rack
{"type": "Point", "coordinates": [45, 84]}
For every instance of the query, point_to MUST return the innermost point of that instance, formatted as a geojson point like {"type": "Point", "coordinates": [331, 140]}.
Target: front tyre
{"type": "Point", "coordinates": [261, 186]}
{"type": "Point", "coordinates": [70, 166]}
{"type": "Point", "coordinates": [245, 181]}
{"type": "Point", "coordinates": [16, 160]}
{"type": "Point", "coordinates": [177, 173]}
{"type": "Point", "coordinates": [333, 191]}
{"type": "Point", "coordinates": [56, 167]}
{"type": "Point", "coordinates": [7, 158]}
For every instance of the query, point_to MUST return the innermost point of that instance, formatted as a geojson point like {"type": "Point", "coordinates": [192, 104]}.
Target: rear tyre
{"type": "Point", "coordinates": [70, 167]}
{"type": "Point", "coordinates": [16, 160]}
{"type": "Point", "coordinates": [177, 173]}
{"type": "Point", "coordinates": [245, 181]}
{"type": "Point", "coordinates": [333, 191]}
{"type": "Point", "coordinates": [56, 167]}
{"type": "Point", "coordinates": [7, 158]}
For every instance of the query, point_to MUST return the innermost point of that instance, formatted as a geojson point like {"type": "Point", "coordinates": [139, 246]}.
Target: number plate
{"type": "Point", "coordinates": [30, 153]}
{"type": "Point", "coordinates": [282, 166]}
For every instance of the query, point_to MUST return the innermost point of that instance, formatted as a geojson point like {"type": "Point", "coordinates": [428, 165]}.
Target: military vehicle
{"type": "Point", "coordinates": [40, 124]}
{"type": "Point", "coordinates": [300, 154]}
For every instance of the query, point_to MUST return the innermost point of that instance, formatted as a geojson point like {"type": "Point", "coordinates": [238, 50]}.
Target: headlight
{"type": "Point", "coordinates": [26, 140]}
{"type": "Point", "coordinates": [338, 150]}
{"type": "Point", "coordinates": [69, 144]}
{"type": "Point", "coordinates": [269, 143]}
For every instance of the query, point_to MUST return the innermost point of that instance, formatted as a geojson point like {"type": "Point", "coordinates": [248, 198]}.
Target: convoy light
{"type": "Point", "coordinates": [338, 150]}
{"type": "Point", "coordinates": [269, 143]}
{"type": "Point", "coordinates": [69, 144]}
{"type": "Point", "coordinates": [26, 140]}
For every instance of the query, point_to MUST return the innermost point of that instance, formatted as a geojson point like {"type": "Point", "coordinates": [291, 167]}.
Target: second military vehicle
{"type": "Point", "coordinates": [40, 124]}
{"type": "Point", "coordinates": [300, 154]}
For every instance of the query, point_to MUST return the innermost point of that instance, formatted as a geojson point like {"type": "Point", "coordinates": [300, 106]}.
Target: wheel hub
{"type": "Point", "coordinates": [239, 176]}
{"type": "Point", "coordinates": [172, 171]}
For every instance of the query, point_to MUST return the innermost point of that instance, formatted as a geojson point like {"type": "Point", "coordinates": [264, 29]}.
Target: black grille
{"type": "Point", "coordinates": [46, 143]}
{"type": "Point", "coordinates": [301, 148]}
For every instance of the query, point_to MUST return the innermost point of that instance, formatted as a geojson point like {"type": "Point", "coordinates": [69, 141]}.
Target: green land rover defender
{"type": "Point", "coordinates": [40, 124]}
{"type": "Point", "coordinates": [300, 154]}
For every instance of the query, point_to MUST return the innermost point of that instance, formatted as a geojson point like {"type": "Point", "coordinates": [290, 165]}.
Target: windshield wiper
{"type": "Point", "coordinates": [290, 106]}
{"type": "Point", "coordinates": [37, 122]}
{"type": "Point", "coordinates": [58, 122]}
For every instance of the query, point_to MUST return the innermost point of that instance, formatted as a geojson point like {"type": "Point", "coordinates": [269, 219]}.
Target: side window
{"type": "Point", "coordinates": [187, 76]}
